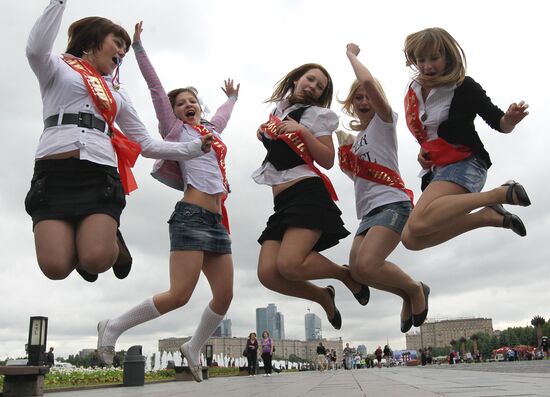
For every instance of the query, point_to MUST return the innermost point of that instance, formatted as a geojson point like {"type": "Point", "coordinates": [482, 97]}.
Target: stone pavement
{"type": "Point", "coordinates": [526, 378]}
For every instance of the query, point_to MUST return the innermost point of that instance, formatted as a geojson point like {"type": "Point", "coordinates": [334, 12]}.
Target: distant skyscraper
{"type": "Point", "coordinates": [313, 327]}
{"type": "Point", "coordinates": [226, 328]}
{"type": "Point", "coordinates": [261, 320]}
{"type": "Point", "coordinates": [279, 330]}
{"type": "Point", "coordinates": [270, 320]}
{"type": "Point", "coordinates": [362, 350]}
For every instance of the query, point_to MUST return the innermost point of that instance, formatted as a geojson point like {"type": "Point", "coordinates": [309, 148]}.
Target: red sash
{"type": "Point", "coordinates": [127, 151]}
{"type": "Point", "coordinates": [440, 151]}
{"type": "Point", "coordinates": [295, 142]}
{"type": "Point", "coordinates": [221, 150]}
{"type": "Point", "coordinates": [371, 171]}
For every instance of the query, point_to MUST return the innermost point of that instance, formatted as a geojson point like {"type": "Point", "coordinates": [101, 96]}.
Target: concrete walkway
{"type": "Point", "coordinates": [493, 379]}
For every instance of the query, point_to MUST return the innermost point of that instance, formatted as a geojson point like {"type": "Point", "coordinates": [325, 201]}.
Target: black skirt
{"type": "Point", "coordinates": [71, 189]}
{"type": "Point", "coordinates": [306, 204]}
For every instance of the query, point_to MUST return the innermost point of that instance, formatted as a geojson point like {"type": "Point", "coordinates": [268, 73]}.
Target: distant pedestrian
{"type": "Point", "coordinates": [267, 353]}
{"type": "Point", "coordinates": [378, 354]}
{"type": "Point", "coordinates": [252, 353]}
{"type": "Point", "coordinates": [50, 358]}
{"type": "Point", "coordinates": [321, 357]}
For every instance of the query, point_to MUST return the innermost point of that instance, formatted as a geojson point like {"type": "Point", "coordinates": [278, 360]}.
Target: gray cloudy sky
{"type": "Point", "coordinates": [489, 273]}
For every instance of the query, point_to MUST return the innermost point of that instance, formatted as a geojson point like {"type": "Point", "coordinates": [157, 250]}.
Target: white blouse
{"type": "Point", "coordinates": [64, 91]}
{"type": "Point", "coordinates": [320, 121]}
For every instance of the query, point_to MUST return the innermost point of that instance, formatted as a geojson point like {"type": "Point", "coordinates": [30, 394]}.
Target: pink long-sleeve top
{"type": "Point", "coordinates": [203, 172]}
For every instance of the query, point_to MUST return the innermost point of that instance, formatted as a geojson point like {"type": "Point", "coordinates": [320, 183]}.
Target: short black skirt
{"type": "Point", "coordinates": [306, 204]}
{"type": "Point", "coordinates": [71, 189]}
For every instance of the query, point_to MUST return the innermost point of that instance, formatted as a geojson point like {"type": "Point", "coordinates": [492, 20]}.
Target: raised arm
{"type": "Point", "coordinates": [376, 97]}
{"type": "Point", "coordinates": [40, 42]}
{"type": "Point", "coordinates": [163, 109]}
{"type": "Point", "coordinates": [223, 114]}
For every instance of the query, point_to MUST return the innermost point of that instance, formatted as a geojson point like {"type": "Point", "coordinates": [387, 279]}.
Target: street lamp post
{"type": "Point", "coordinates": [36, 346]}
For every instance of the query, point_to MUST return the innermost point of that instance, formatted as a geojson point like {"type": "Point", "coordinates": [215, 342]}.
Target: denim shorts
{"type": "Point", "coordinates": [192, 228]}
{"type": "Point", "coordinates": [392, 215]}
{"type": "Point", "coordinates": [470, 173]}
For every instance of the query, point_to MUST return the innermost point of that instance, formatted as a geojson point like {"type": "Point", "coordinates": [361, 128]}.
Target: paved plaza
{"type": "Point", "coordinates": [527, 378]}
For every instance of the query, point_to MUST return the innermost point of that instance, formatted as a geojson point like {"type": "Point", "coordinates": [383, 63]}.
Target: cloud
{"type": "Point", "coordinates": [490, 273]}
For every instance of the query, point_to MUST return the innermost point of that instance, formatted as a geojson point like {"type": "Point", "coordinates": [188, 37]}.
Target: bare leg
{"type": "Point", "coordinates": [185, 269]}
{"type": "Point", "coordinates": [270, 277]}
{"type": "Point", "coordinates": [296, 261]}
{"type": "Point", "coordinates": [55, 248]}
{"type": "Point", "coordinates": [371, 265]}
{"type": "Point", "coordinates": [218, 269]}
{"type": "Point", "coordinates": [445, 203]}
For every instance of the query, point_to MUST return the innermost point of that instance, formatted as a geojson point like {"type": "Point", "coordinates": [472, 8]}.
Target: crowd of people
{"type": "Point", "coordinates": [93, 135]}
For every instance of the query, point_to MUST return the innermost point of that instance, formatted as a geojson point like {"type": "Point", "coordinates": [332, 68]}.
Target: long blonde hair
{"type": "Point", "coordinates": [349, 109]}
{"type": "Point", "coordinates": [436, 40]}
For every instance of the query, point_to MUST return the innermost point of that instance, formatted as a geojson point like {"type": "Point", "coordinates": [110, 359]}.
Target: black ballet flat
{"type": "Point", "coordinates": [510, 221]}
{"type": "Point", "coordinates": [123, 264]}
{"type": "Point", "coordinates": [363, 296]}
{"type": "Point", "coordinates": [418, 319]}
{"type": "Point", "coordinates": [89, 277]}
{"type": "Point", "coordinates": [336, 320]}
{"type": "Point", "coordinates": [407, 324]}
{"type": "Point", "coordinates": [521, 194]}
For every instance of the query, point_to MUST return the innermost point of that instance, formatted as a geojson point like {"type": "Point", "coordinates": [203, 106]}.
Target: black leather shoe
{"type": "Point", "coordinates": [123, 263]}
{"type": "Point", "coordinates": [89, 277]}
{"type": "Point", "coordinates": [363, 295]}
{"type": "Point", "coordinates": [510, 221]}
{"type": "Point", "coordinates": [407, 324]}
{"type": "Point", "coordinates": [521, 194]}
{"type": "Point", "coordinates": [418, 319]}
{"type": "Point", "coordinates": [336, 320]}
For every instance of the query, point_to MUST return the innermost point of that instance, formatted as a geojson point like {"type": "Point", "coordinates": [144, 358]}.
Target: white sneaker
{"type": "Point", "coordinates": [268, 374]}
{"type": "Point", "coordinates": [265, 375]}
{"type": "Point", "coordinates": [196, 369]}
{"type": "Point", "coordinates": [106, 353]}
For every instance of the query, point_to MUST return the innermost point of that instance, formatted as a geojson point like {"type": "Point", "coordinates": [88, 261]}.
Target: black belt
{"type": "Point", "coordinates": [81, 119]}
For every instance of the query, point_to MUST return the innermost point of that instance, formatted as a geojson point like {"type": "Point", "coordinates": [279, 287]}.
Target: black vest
{"type": "Point", "coordinates": [278, 152]}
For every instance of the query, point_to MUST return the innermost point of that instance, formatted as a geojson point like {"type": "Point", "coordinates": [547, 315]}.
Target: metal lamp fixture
{"type": "Point", "coordinates": [36, 347]}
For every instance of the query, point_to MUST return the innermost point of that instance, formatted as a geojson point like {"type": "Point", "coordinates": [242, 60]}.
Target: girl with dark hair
{"type": "Point", "coordinates": [267, 353]}
{"type": "Point", "coordinates": [440, 107]}
{"type": "Point", "coordinates": [199, 231]}
{"type": "Point", "coordinates": [76, 195]}
{"type": "Point", "coordinates": [251, 350]}
{"type": "Point", "coordinates": [306, 220]}
{"type": "Point", "coordinates": [383, 202]}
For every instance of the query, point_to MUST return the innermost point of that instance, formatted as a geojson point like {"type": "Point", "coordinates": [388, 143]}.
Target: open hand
{"type": "Point", "coordinates": [229, 89]}
{"type": "Point", "coordinates": [137, 32]}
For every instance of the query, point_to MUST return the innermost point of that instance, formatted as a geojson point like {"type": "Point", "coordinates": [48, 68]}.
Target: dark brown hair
{"type": "Point", "coordinates": [89, 33]}
{"type": "Point", "coordinates": [285, 86]}
{"type": "Point", "coordinates": [172, 95]}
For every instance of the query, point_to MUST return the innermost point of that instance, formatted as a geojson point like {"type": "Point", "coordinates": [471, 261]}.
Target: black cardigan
{"type": "Point", "coordinates": [468, 101]}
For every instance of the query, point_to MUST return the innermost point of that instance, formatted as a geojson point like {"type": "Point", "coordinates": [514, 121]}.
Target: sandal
{"type": "Point", "coordinates": [521, 194]}
{"type": "Point", "coordinates": [363, 295]}
{"type": "Point", "coordinates": [336, 320]}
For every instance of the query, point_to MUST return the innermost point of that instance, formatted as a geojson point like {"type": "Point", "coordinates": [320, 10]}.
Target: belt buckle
{"type": "Point", "coordinates": [85, 120]}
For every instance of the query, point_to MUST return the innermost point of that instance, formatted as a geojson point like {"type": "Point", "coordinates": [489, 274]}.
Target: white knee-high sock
{"type": "Point", "coordinates": [139, 314]}
{"type": "Point", "coordinates": [208, 324]}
